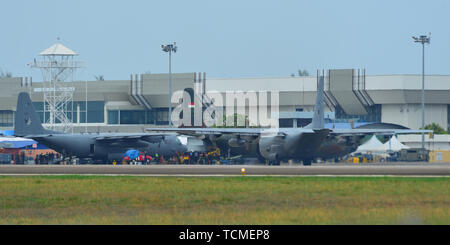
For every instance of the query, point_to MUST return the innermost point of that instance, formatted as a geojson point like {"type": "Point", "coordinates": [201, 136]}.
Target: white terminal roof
{"type": "Point", "coordinates": [58, 49]}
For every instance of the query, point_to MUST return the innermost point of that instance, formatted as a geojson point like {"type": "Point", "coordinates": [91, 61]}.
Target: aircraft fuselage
{"type": "Point", "coordinates": [86, 146]}
{"type": "Point", "coordinates": [298, 146]}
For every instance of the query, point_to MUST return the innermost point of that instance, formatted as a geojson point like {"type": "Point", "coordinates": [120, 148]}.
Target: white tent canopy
{"type": "Point", "coordinates": [372, 145]}
{"type": "Point", "coordinates": [394, 145]}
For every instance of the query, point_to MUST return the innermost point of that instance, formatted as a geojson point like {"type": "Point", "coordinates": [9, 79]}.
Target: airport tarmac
{"type": "Point", "coordinates": [382, 169]}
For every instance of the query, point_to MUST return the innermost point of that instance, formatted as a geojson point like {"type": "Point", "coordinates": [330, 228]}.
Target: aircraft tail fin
{"type": "Point", "coordinates": [318, 121]}
{"type": "Point", "coordinates": [26, 120]}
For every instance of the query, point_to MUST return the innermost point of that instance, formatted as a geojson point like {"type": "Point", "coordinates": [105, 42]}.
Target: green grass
{"type": "Point", "coordinates": [227, 200]}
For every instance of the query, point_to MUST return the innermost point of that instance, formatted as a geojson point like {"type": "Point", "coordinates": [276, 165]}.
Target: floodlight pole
{"type": "Point", "coordinates": [423, 39]}
{"type": "Point", "coordinates": [170, 89]}
{"type": "Point", "coordinates": [169, 48]}
{"type": "Point", "coordinates": [423, 94]}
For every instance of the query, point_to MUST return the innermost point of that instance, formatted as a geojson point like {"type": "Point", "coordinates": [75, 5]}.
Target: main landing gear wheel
{"type": "Point", "coordinates": [307, 162]}
{"type": "Point", "coordinates": [275, 162]}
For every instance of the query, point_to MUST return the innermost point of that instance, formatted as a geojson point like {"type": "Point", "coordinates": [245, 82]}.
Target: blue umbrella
{"type": "Point", "coordinates": [132, 154]}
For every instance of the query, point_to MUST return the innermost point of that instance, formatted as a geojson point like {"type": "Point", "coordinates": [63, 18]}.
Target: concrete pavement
{"type": "Point", "coordinates": [399, 169]}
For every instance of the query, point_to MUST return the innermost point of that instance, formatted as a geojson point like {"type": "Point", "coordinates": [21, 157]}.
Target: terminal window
{"type": "Point", "coordinates": [6, 118]}
{"type": "Point", "coordinates": [131, 117]}
{"type": "Point", "coordinates": [373, 115]}
{"type": "Point", "coordinates": [113, 117]}
{"type": "Point", "coordinates": [162, 116]}
{"type": "Point", "coordinates": [95, 111]}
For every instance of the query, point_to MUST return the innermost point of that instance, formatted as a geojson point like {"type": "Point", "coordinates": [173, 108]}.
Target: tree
{"type": "Point", "coordinates": [237, 119]}
{"type": "Point", "coordinates": [303, 73]}
{"type": "Point", "coordinates": [436, 128]}
{"type": "Point", "coordinates": [99, 78]}
{"type": "Point", "coordinates": [5, 74]}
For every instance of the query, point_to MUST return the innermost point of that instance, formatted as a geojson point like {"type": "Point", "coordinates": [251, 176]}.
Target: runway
{"type": "Point", "coordinates": [422, 169]}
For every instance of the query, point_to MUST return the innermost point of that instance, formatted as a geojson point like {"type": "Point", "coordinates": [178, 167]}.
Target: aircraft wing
{"type": "Point", "coordinates": [152, 138]}
{"type": "Point", "coordinates": [280, 131]}
{"type": "Point", "coordinates": [235, 131]}
{"type": "Point", "coordinates": [37, 136]}
{"type": "Point", "coordinates": [377, 131]}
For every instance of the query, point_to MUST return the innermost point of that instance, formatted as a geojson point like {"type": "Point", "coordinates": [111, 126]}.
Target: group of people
{"type": "Point", "coordinates": [47, 158]}
{"type": "Point", "coordinates": [191, 157]}
{"type": "Point", "coordinates": [143, 158]}
{"type": "Point", "coordinates": [199, 157]}
{"type": "Point", "coordinates": [19, 158]}
{"type": "Point", "coordinates": [42, 158]}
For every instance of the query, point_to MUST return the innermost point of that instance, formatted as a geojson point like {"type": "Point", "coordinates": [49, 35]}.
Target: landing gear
{"type": "Point", "coordinates": [307, 162]}
{"type": "Point", "coordinates": [275, 162]}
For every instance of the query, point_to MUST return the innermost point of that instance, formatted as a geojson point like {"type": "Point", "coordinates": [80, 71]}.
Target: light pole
{"type": "Point", "coordinates": [169, 48]}
{"type": "Point", "coordinates": [423, 39]}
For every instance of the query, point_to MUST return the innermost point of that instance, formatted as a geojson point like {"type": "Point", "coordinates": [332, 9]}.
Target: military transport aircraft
{"type": "Point", "coordinates": [98, 146]}
{"type": "Point", "coordinates": [302, 144]}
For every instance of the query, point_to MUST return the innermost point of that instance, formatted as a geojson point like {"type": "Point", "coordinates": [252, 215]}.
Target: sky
{"type": "Point", "coordinates": [226, 39]}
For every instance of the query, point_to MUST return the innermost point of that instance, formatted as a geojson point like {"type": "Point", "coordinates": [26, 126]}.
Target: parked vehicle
{"type": "Point", "coordinates": [413, 155]}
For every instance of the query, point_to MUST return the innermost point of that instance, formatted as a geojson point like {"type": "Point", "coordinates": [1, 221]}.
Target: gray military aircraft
{"type": "Point", "coordinates": [302, 144]}
{"type": "Point", "coordinates": [98, 146]}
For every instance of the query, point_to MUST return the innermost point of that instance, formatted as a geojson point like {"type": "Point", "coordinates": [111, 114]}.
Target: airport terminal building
{"type": "Point", "coordinates": [142, 100]}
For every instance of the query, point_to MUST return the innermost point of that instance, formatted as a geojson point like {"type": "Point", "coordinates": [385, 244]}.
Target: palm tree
{"type": "Point", "coordinates": [303, 73]}
{"type": "Point", "coordinates": [99, 78]}
{"type": "Point", "coordinates": [5, 74]}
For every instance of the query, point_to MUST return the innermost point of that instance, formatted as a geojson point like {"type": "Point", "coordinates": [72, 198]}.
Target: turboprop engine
{"type": "Point", "coordinates": [237, 142]}
{"type": "Point", "coordinates": [240, 141]}
{"type": "Point", "coordinates": [271, 148]}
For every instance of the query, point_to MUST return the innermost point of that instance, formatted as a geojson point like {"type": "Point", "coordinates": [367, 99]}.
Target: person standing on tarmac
{"type": "Point", "coordinates": [196, 157]}
{"type": "Point", "coordinates": [126, 160]}
{"type": "Point", "coordinates": [207, 159]}
{"type": "Point", "coordinates": [187, 159]}
{"type": "Point", "coordinates": [148, 159]}
{"type": "Point", "coordinates": [190, 157]}
{"type": "Point", "coordinates": [157, 159]}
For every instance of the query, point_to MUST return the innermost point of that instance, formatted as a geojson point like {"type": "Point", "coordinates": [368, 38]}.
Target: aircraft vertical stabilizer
{"type": "Point", "coordinates": [26, 119]}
